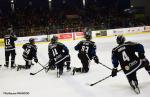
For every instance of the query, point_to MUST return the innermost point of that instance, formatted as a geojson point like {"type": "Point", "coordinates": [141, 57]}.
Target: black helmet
{"type": "Point", "coordinates": [88, 35]}
{"type": "Point", "coordinates": [120, 39]}
{"type": "Point", "coordinates": [31, 40]}
{"type": "Point", "coordinates": [54, 39]}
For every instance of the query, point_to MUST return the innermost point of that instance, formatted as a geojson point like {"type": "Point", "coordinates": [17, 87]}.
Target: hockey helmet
{"type": "Point", "coordinates": [32, 40]}
{"type": "Point", "coordinates": [88, 35]}
{"type": "Point", "coordinates": [120, 39]}
{"type": "Point", "coordinates": [54, 39]}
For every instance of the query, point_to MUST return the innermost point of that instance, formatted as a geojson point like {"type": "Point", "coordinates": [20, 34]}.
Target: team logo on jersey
{"type": "Point", "coordinates": [127, 68]}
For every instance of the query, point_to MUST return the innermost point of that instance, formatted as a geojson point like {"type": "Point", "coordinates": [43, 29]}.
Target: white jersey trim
{"type": "Point", "coordinates": [134, 68]}
{"type": "Point", "coordinates": [9, 49]}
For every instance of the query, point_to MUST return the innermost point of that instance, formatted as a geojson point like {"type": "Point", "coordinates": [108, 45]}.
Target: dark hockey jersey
{"type": "Point", "coordinates": [87, 47]}
{"type": "Point", "coordinates": [126, 56]}
{"type": "Point", "coordinates": [9, 42]}
{"type": "Point", "coordinates": [30, 51]}
{"type": "Point", "coordinates": [57, 51]}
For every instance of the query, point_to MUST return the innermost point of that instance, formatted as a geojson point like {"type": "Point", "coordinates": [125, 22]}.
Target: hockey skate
{"type": "Point", "coordinates": [13, 66]}
{"type": "Point", "coordinates": [52, 67]}
{"type": "Point", "coordinates": [59, 73]}
{"type": "Point", "coordinates": [6, 65]}
{"type": "Point", "coordinates": [74, 71]}
{"type": "Point", "coordinates": [47, 69]}
{"type": "Point", "coordinates": [135, 87]}
{"type": "Point", "coordinates": [19, 67]}
{"type": "Point", "coordinates": [68, 69]}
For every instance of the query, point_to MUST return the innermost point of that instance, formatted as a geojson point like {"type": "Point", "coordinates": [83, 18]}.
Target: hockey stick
{"type": "Point", "coordinates": [105, 65]}
{"type": "Point", "coordinates": [42, 65]}
{"type": "Point", "coordinates": [47, 66]}
{"type": "Point", "coordinates": [99, 62]}
{"type": "Point", "coordinates": [102, 79]}
{"type": "Point", "coordinates": [40, 69]}
{"type": "Point", "coordinates": [46, 69]}
{"type": "Point", "coordinates": [37, 71]}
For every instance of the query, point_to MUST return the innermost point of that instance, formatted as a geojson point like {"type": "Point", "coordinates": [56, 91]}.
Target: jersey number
{"type": "Point", "coordinates": [7, 41]}
{"type": "Point", "coordinates": [27, 51]}
{"type": "Point", "coordinates": [54, 52]}
{"type": "Point", "coordinates": [85, 49]}
{"type": "Point", "coordinates": [125, 56]}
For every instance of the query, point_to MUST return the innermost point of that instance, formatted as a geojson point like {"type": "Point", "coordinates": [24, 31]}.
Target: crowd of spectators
{"type": "Point", "coordinates": [32, 22]}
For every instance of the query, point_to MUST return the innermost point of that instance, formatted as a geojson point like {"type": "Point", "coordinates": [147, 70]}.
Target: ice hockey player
{"type": "Point", "coordinates": [30, 53]}
{"type": "Point", "coordinates": [87, 52]}
{"type": "Point", "coordinates": [125, 55]}
{"type": "Point", "coordinates": [58, 55]}
{"type": "Point", "coordinates": [9, 41]}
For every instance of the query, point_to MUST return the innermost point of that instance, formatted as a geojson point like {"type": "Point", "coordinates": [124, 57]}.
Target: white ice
{"type": "Point", "coordinates": [48, 85]}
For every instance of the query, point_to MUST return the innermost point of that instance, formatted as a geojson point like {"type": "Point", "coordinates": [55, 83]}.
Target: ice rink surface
{"type": "Point", "coordinates": [48, 85]}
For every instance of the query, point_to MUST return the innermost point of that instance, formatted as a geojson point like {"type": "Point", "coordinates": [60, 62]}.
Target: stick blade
{"type": "Point", "coordinates": [32, 74]}
{"type": "Point", "coordinates": [89, 84]}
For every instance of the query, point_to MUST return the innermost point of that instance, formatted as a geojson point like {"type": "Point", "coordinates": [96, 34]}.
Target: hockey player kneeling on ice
{"type": "Point", "coordinates": [124, 54]}
{"type": "Point", "coordinates": [30, 53]}
{"type": "Point", "coordinates": [87, 52]}
{"type": "Point", "coordinates": [9, 41]}
{"type": "Point", "coordinates": [58, 56]}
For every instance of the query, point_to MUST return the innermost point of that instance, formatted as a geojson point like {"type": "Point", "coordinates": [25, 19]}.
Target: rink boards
{"type": "Point", "coordinates": [22, 40]}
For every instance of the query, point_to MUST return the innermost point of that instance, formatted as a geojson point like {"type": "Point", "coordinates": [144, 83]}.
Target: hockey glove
{"type": "Point", "coordinates": [141, 55]}
{"type": "Point", "coordinates": [35, 60]}
{"type": "Point", "coordinates": [114, 72]}
{"type": "Point", "coordinates": [145, 62]}
{"type": "Point", "coordinates": [95, 58]}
